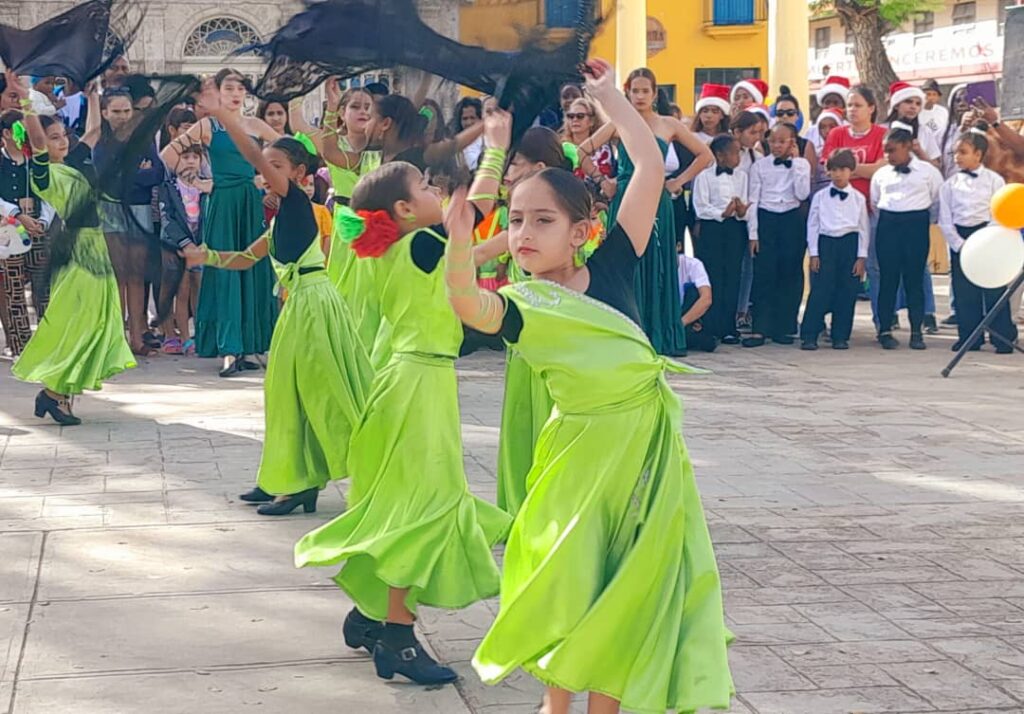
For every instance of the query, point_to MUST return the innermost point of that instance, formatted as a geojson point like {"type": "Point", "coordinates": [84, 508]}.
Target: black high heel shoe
{"type": "Point", "coordinates": [412, 662]}
{"type": "Point", "coordinates": [257, 495]}
{"type": "Point", "coordinates": [360, 632]}
{"type": "Point", "coordinates": [306, 499]}
{"type": "Point", "coordinates": [45, 404]}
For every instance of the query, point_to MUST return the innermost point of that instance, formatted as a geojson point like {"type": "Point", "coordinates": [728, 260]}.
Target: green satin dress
{"type": "Point", "coordinates": [657, 274]}
{"type": "Point", "coordinates": [80, 341]}
{"type": "Point", "coordinates": [610, 583]}
{"type": "Point", "coordinates": [318, 380]}
{"type": "Point", "coordinates": [237, 309]}
{"type": "Point", "coordinates": [411, 520]}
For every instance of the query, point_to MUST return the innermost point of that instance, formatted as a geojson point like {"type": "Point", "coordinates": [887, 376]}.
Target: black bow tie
{"type": "Point", "coordinates": [902, 169]}
{"type": "Point", "coordinates": [836, 192]}
{"type": "Point", "coordinates": [972, 174]}
{"type": "Point", "coordinates": [722, 170]}
{"type": "Point", "coordinates": [788, 163]}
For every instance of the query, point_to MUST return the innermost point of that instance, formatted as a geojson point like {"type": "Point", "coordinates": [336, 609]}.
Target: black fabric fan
{"type": "Point", "coordinates": [345, 38]}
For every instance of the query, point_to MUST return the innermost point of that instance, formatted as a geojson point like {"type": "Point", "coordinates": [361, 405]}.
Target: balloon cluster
{"type": "Point", "coordinates": [994, 256]}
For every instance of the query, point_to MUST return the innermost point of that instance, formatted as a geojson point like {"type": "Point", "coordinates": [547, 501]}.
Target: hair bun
{"type": "Point", "coordinates": [784, 89]}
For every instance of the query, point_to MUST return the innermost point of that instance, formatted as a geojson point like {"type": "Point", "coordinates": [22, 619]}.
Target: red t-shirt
{"type": "Point", "coordinates": [868, 149]}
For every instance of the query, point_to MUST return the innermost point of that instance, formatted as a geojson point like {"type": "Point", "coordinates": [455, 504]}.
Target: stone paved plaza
{"type": "Point", "coordinates": [867, 516]}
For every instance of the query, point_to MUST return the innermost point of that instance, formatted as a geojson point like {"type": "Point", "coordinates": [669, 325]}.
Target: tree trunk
{"type": "Point", "coordinates": [867, 28]}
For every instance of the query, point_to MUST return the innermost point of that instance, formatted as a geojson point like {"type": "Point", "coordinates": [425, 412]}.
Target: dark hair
{"type": "Point", "coordinates": [228, 73]}
{"type": "Point", "coordinates": [841, 159]}
{"type": "Point", "coordinates": [48, 121]}
{"type": "Point", "coordinates": [440, 127]}
{"type": "Point", "coordinates": [346, 97]}
{"type": "Point", "coordinates": [383, 187]}
{"type": "Point", "coordinates": [745, 120]}
{"type": "Point", "coordinates": [955, 118]}
{"type": "Point", "coordinates": [296, 153]}
{"type": "Point", "coordinates": [181, 115]}
{"type": "Point", "coordinates": [723, 123]}
{"type": "Point", "coordinates": [9, 118]}
{"type": "Point", "coordinates": [409, 122]}
{"type": "Point", "coordinates": [568, 85]}
{"type": "Point", "coordinates": [642, 73]}
{"type": "Point", "coordinates": [541, 145]}
{"type": "Point", "coordinates": [975, 136]}
{"type": "Point", "coordinates": [571, 194]}
{"type": "Point", "coordinates": [116, 93]}
{"type": "Point", "coordinates": [261, 112]}
{"type": "Point", "coordinates": [789, 127]}
{"type": "Point", "coordinates": [914, 123]}
{"type": "Point", "coordinates": [721, 143]}
{"type": "Point", "coordinates": [377, 89]}
{"type": "Point", "coordinates": [899, 136]}
{"type": "Point", "coordinates": [471, 102]}
{"type": "Point", "coordinates": [869, 96]}
{"type": "Point", "coordinates": [786, 95]}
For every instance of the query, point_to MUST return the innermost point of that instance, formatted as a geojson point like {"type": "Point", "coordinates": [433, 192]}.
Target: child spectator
{"type": "Point", "coordinates": [695, 296]}
{"type": "Point", "coordinates": [778, 238]}
{"type": "Point", "coordinates": [720, 204]}
{"type": "Point", "coordinates": [838, 233]}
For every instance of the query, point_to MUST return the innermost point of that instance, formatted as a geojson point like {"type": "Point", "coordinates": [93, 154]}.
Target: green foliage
{"type": "Point", "coordinates": [892, 12]}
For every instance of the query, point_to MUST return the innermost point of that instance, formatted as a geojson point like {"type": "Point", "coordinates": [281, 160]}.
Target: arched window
{"type": "Point", "coordinates": [219, 37]}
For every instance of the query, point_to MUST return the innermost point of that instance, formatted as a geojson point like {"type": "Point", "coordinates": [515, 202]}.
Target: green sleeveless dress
{"type": "Point", "coordinates": [411, 520]}
{"type": "Point", "coordinates": [610, 582]}
{"type": "Point", "coordinates": [80, 341]}
{"type": "Point", "coordinates": [657, 274]}
{"type": "Point", "coordinates": [318, 380]}
{"type": "Point", "coordinates": [237, 309]}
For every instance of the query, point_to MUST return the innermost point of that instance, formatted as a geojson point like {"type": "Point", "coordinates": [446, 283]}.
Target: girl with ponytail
{"type": "Point", "coordinates": [318, 373]}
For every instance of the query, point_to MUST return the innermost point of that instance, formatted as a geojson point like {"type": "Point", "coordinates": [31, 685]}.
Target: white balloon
{"type": "Point", "coordinates": [993, 257]}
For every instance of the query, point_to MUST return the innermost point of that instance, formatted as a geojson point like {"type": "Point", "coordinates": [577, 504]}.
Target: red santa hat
{"type": "Point", "coordinates": [834, 84]}
{"type": "Point", "coordinates": [902, 91]}
{"type": "Point", "coordinates": [757, 88]}
{"type": "Point", "coordinates": [760, 109]}
{"type": "Point", "coordinates": [713, 95]}
{"type": "Point", "coordinates": [833, 114]}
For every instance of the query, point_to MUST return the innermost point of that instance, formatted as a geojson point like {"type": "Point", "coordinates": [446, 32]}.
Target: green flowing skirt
{"type": "Point", "coordinates": [524, 411]}
{"type": "Point", "coordinates": [657, 280]}
{"type": "Point", "coordinates": [318, 379]}
{"type": "Point", "coordinates": [411, 520]}
{"type": "Point", "coordinates": [355, 280]}
{"type": "Point", "coordinates": [610, 583]}
{"type": "Point", "coordinates": [80, 341]}
{"type": "Point", "coordinates": [236, 309]}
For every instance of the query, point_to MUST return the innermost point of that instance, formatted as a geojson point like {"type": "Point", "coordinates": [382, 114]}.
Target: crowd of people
{"type": "Point", "coordinates": [348, 248]}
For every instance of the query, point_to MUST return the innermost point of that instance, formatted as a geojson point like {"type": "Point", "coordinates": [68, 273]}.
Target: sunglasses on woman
{"type": "Point", "coordinates": [574, 115]}
{"type": "Point", "coordinates": [787, 113]}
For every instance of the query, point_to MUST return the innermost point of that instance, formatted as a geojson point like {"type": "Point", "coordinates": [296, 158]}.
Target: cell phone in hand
{"type": "Point", "coordinates": [986, 91]}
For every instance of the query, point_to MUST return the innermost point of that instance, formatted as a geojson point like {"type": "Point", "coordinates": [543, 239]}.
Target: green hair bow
{"type": "Point", "coordinates": [572, 153]}
{"type": "Point", "coordinates": [307, 142]}
{"type": "Point", "coordinates": [348, 224]}
{"type": "Point", "coordinates": [19, 133]}
{"type": "Point", "coordinates": [427, 112]}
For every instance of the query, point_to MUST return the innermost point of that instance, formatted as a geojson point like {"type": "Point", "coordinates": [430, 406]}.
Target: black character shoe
{"type": "Point", "coordinates": [888, 342]}
{"type": "Point", "coordinates": [753, 341]}
{"type": "Point", "coordinates": [1004, 348]}
{"type": "Point", "coordinates": [930, 325]}
{"type": "Point", "coordinates": [917, 341]}
{"type": "Point", "coordinates": [809, 345]}
{"type": "Point", "coordinates": [257, 495]}
{"type": "Point", "coordinates": [955, 347]}
{"type": "Point", "coordinates": [58, 409]}
{"type": "Point", "coordinates": [950, 321]}
{"type": "Point", "coordinates": [306, 499]}
{"type": "Point", "coordinates": [783, 340]}
{"type": "Point", "coordinates": [360, 632]}
{"type": "Point", "coordinates": [412, 662]}
{"type": "Point", "coordinates": [247, 364]}
{"type": "Point", "coordinates": [731, 340]}
{"type": "Point", "coordinates": [840, 345]}
{"type": "Point", "coordinates": [232, 369]}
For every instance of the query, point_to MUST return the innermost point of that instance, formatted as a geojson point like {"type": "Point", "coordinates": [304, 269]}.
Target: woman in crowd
{"type": "Point", "coordinates": [275, 114]}
{"type": "Point", "coordinates": [469, 111]}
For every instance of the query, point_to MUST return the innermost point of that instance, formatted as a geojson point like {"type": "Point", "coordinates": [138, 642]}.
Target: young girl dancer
{"type": "Point", "coordinates": [318, 373]}
{"type": "Point", "coordinates": [81, 343]}
{"type": "Point", "coordinates": [413, 534]}
{"type": "Point", "coordinates": [610, 584]}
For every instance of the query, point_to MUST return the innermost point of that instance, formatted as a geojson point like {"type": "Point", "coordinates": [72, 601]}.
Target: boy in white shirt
{"type": "Point", "coordinates": [695, 297]}
{"type": "Point", "coordinates": [838, 232]}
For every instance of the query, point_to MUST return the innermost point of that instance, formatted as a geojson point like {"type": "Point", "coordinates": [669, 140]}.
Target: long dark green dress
{"type": "Point", "coordinates": [237, 309]}
{"type": "Point", "coordinates": [657, 276]}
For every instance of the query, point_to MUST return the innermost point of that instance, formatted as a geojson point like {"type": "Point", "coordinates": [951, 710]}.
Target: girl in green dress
{"type": "Point", "coordinates": [610, 584]}
{"type": "Point", "coordinates": [69, 354]}
{"type": "Point", "coordinates": [657, 275]}
{"type": "Point", "coordinates": [236, 311]}
{"type": "Point", "coordinates": [413, 533]}
{"type": "Point", "coordinates": [318, 374]}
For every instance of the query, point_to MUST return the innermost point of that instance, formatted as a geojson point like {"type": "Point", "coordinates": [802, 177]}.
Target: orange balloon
{"type": "Point", "coordinates": [1008, 206]}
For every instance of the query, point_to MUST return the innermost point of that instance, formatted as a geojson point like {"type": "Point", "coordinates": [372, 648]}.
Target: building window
{"type": "Point", "coordinates": [560, 13]}
{"type": "Point", "coordinates": [822, 40]}
{"type": "Point", "coordinates": [721, 75]}
{"type": "Point", "coordinates": [924, 22]}
{"type": "Point", "coordinates": [965, 13]}
{"type": "Point", "coordinates": [219, 37]}
{"type": "Point", "coordinates": [734, 12]}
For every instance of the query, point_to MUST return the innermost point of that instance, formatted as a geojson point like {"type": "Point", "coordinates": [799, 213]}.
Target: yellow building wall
{"type": "Point", "coordinates": [688, 46]}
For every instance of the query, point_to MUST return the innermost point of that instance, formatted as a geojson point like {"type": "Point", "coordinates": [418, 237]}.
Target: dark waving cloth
{"type": "Point", "coordinates": [345, 38]}
{"type": "Point", "coordinates": [73, 44]}
{"type": "Point", "coordinates": [118, 174]}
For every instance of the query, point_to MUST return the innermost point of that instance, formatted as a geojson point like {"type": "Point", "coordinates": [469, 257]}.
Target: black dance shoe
{"type": "Point", "coordinates": [930, 325]}
{"type": "Point", "coordinates": [917, 341]}
{"type": "Point", "coordinates": [783, 340]}
{"type": "Point", "coordinates": [888, 342]}
{"type": "Point", "coordinates": [257, 495]}
{"type": "Point", "coordinates": [247, 364]}
{"type": "Point", "coordinates": [232, 369]}
{"type": "Point", "coordinates": [1004, 348]}
{"type": "Point", "coordinates": [306, 499]}
{"type": "Point", "coordinates": [955, 347]}
{"type": "Point", "coordinates": [412, 662]}
{"type": "Point", "coordinates": [950, 321]}
{"type": "Point", "coordinates": [840, 345]}
{"type": "Point", "coordinates": [731, 340]}
{"type": "Point", "coordinates": [360, 632]}
{"type": "Point", "coordinates": [752, 341]}
{"type": "Point", "coordinates": [59, 410]}
{"type": "Point", "coordinates": [809, 345]}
